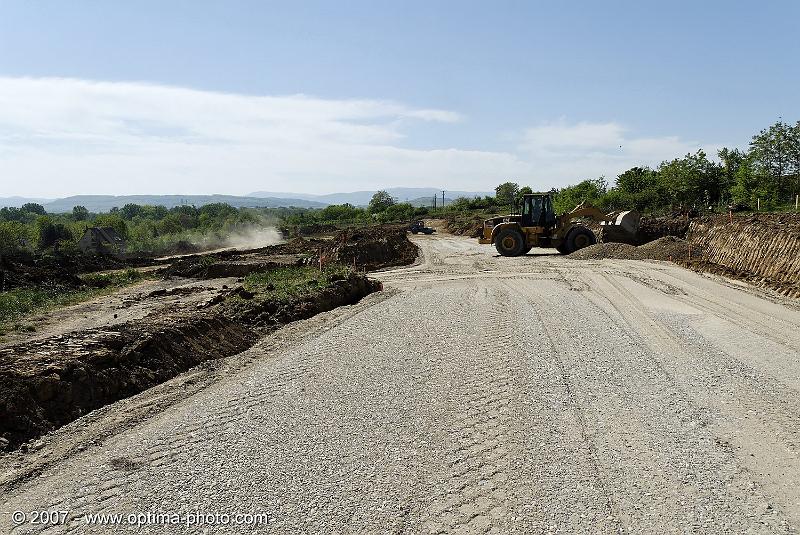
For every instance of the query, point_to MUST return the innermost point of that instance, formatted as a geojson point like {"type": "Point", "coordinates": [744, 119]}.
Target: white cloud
{"type": "Point", "coordinates": [65, 136]}
{"type": "Point", "coordinates": [62, 136]}
{"type": "Point", "coordinates": [562, 152]}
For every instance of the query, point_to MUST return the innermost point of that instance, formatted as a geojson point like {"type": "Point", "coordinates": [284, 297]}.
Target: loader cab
{"type": "Point", "coordinates": [537, 210]}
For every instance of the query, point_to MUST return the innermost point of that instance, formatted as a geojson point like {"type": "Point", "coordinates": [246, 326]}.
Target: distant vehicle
{"type": "Point", "coordinates": [419, 226]}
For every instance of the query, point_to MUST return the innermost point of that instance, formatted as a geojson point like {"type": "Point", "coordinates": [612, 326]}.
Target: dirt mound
{"type": "Point", "coordinates": [372, 248]}
{"type": "Point", "coordinates": [605, 250]}
{"type": "Point", "coordinates": [209, 267]}
{"type": "Point", "coordinates": [666, 248]}
{"type": "Point", "coordinates": [57, 270]}
{"type": "Point", "coordinates": [472, 226]}
{"type": "Point", "coordinates": [653, 228]}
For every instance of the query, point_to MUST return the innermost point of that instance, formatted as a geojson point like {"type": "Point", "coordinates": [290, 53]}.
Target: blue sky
{"type": "Point", "coordinates": [232, 97]}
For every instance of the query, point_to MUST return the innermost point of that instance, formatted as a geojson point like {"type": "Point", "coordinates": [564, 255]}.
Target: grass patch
{"type": "Point", "coordinates": [296, 281]}
{"type": "Point", "coordinates": [113, 279]}
{"type": "Point", "coordinates": [19, 303]}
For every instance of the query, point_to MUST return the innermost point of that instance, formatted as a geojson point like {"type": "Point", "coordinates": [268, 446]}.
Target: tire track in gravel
{"type": "Point", "coordinates": [729, 391]}
{"type": "Point", "coordinates": [662, 466]}
{"type": "Point", "coordinates": [745, 318]}
{"type": "Point", "coordinates": [608, 520]}
{"type": "Point", "coordinates": [697, 384]}
{"type": "Point", "coordinates": [472, 493]}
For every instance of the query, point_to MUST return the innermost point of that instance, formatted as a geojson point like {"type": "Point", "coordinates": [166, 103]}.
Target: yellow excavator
{"type": "Point", "coordinates": [537, 225]}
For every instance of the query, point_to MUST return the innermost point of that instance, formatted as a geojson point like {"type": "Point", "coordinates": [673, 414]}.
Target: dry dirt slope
{"type": "Point", "coordinates": [487, 394]}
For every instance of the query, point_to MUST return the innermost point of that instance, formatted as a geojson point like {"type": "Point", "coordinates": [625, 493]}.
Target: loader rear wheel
{"type": "Point", "coordinates": [578, 238]}
{"type": "Point", "coordinates": [509, 242]}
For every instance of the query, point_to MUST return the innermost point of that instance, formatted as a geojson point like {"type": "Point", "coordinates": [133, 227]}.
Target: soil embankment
{"type": "Point", "coordinates": [761, 249]}
{"type": "Point", "coordinates": [50, 381]}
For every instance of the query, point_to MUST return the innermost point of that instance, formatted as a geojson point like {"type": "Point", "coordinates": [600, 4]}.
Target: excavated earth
{"type": "Point", "coordinates": [48, 381]}
{"type": "Point", "coordinates": [760, 249]}
{"type": "Point", "coordinates": [666, 248]}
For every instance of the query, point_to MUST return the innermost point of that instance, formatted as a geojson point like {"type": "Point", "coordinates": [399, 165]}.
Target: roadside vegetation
{"type": "Point", "coordinates": [18, 304]}
{"type": "Point", "coordinates": [287, 283]}
{"type": "Point", "coordinates": [151, 229]}
{"type": "Point", "coordinates": [765, 177]}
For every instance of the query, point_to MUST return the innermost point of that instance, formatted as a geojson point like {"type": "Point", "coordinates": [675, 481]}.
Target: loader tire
{"type": "Point", "coordinates": [578, 238]}
{"type": "Point", "coordinates": [509, 242]}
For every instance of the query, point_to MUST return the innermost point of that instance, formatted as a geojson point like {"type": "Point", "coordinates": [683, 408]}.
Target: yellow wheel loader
{"type": "Point", "coordinates": [537, 225]}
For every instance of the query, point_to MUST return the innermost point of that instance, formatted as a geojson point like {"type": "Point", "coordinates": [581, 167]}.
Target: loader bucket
{"type": "Point", "coordinates": [620, 227]}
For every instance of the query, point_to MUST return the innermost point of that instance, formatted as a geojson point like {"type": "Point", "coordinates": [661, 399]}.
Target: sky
{"type": "Point", "coordinates": [200, 97]}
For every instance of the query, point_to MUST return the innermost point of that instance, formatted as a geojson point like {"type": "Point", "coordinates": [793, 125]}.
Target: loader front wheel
{"type": "Point", "coordinates": [578, 238]}
{"type": "Point", "coordinates": [509, 242]}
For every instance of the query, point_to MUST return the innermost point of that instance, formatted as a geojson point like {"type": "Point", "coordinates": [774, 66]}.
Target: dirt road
{"type": "Point", "coordinates": [477, 394]}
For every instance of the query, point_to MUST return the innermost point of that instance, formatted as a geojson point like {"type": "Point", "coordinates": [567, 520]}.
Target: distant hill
{"type": "Point", "coordinates": [361, 198]}
{"type": "Point", "coordinates": [16, 202]}
{"type": "Point", "coordinates": [104, 203]}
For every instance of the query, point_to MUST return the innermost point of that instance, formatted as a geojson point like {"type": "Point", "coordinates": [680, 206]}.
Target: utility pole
{"type": "Point", "coordinates": [434, 202]}
{"type": "Point", "coordinates": [442, 198]}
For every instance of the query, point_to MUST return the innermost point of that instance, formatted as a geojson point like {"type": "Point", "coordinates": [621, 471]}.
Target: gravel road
{"type": "Point", "coordinates": [477, 394]}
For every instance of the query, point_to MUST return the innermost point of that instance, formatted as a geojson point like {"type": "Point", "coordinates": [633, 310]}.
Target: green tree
{"type": "Point", "coordinates": [80, 213]}
{"type": "Point", "coordinates": [590, 191]}
{"type": "Point", "coordinates": [638, 188]}
{"type": "Point", "coordinates": [33, 208]}
{"type": "Point", "coordinates": [693, 180]}
{"type": "Point", "coordinates": [732, 161]}
{"type": "Point", "coordinates": [506, 192]}
{"type": "Point", "coordinates": [397, 212]}
{"type": "Point", "coordinates": [380, 201]}
{"type": "Point", "coordinates": [776, 151]}
{"type": "Point", "coordinates": [49, 233]}
{"type": "Point", "coordinates": [13, 236]}
{"type": "Point", "coordinates": [460, 204]}
{"type": "Point", "coordinates": [130, 210]}
{"type": "Point", "coordinates": [171, 224]}
{"type": "Point", "coordinates": [11, 213]}
{"type": "Point", "coordinates": [340, 212]}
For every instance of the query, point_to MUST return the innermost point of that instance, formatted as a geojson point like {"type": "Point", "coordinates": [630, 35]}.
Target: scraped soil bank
{"type": "Point", "coordinates": [365, 249]}
{"type": "Point", "coordinates": [47, 383]}
{"type": "Point", "coordinates": [761, 249]}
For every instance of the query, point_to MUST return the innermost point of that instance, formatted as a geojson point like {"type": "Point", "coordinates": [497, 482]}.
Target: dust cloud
{"type": "Point", "coordinates": [252, 238]}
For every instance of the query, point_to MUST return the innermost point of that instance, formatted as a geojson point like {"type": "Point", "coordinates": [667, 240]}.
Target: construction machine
{"type": "Point", "coordinates": [419, 226]}
{"type": "Point", "coordinates": [537, 225]}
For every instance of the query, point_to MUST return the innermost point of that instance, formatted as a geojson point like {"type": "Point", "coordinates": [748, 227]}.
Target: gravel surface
{"type": "Point", "coordinates": [477, 395]}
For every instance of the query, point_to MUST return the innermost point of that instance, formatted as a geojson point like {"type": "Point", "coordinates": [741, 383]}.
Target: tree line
{"type": "Point", "coordinates": [143, 227]}
{"type": "Point", "coordinates": [766, 176]}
